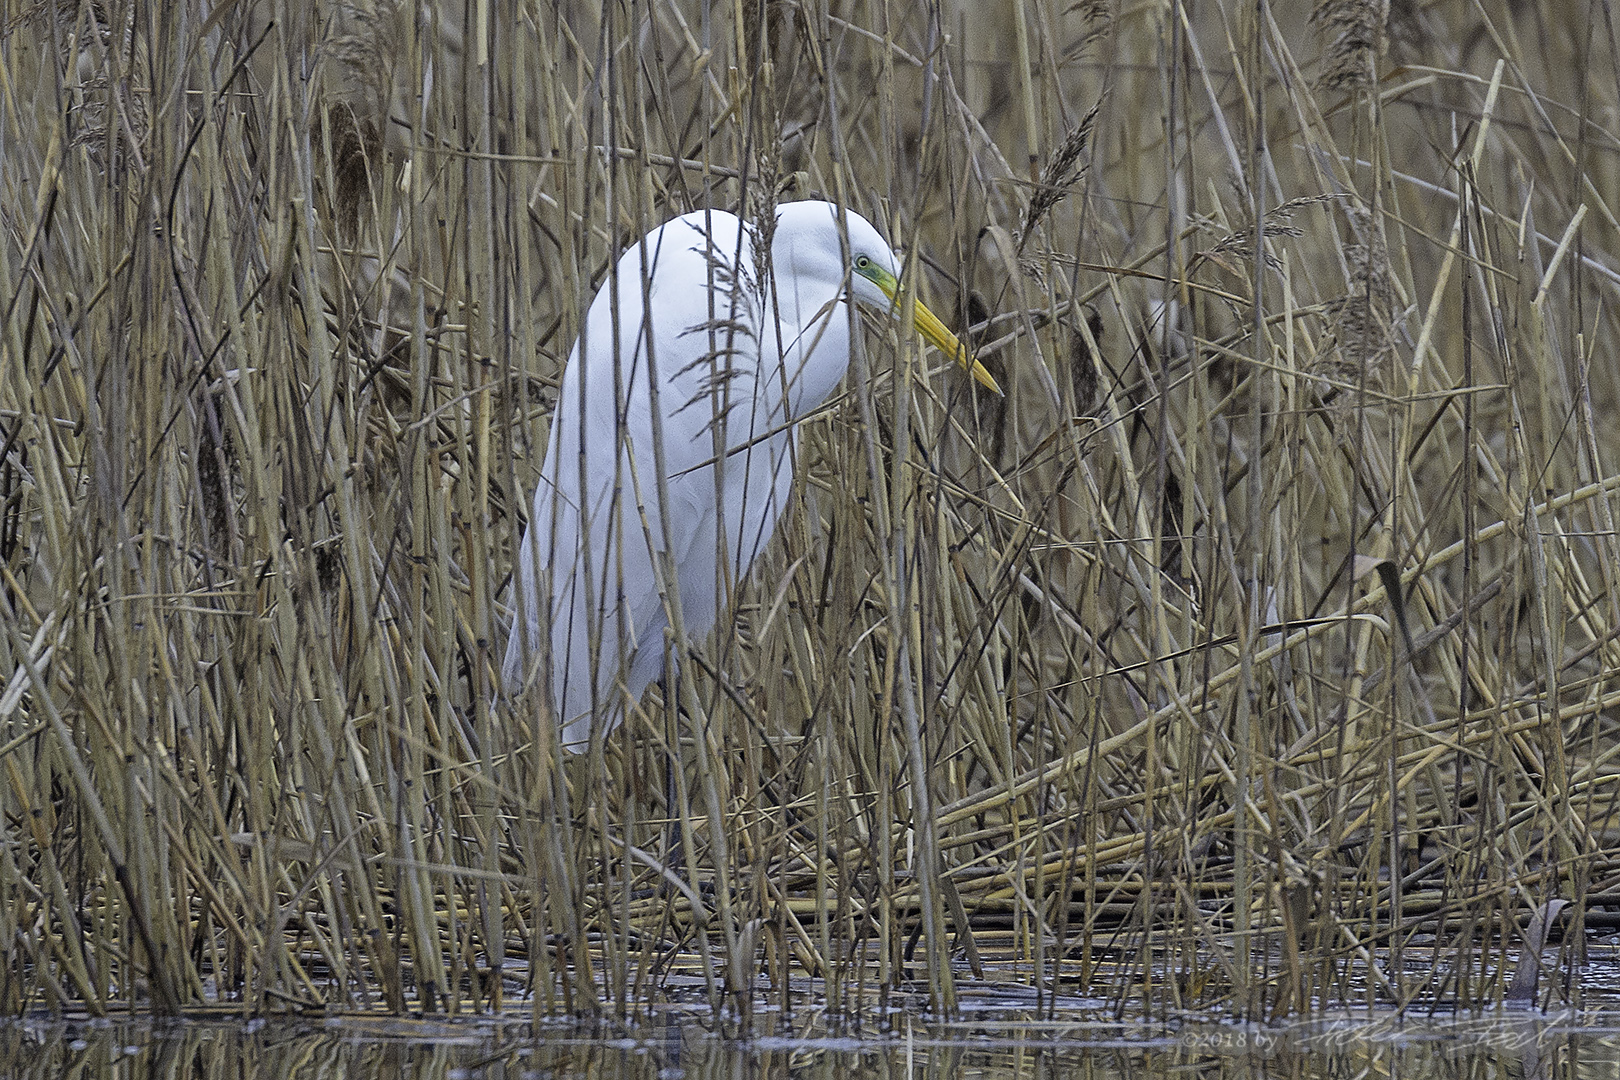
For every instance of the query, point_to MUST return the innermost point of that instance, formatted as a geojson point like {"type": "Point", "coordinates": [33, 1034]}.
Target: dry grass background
{"type": "Point", "coordinates": [1258, 650]}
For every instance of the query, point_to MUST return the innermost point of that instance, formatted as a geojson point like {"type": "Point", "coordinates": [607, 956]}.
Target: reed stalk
{"type": "Point", "coordinates": [1258, 650]}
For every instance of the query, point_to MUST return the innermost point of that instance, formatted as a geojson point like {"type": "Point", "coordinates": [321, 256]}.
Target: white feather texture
{"type": "Point", "coordinates": [719, 348]}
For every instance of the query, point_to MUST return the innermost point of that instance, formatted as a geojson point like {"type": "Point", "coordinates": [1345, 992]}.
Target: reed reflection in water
{"type": "Point", "coordinates": [1526, 1047]}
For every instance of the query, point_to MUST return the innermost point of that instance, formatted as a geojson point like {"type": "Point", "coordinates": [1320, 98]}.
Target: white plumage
{"type": "Point", "coordinates": [734, 364]}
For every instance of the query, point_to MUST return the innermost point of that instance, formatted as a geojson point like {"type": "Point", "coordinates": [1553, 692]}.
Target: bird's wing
{"type": "Point", "coordinates": [692, 320]}
{"type": "Point", "coordinates": [701, 325]}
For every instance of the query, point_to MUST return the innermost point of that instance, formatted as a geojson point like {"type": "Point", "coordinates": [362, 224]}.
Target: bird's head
{"type": "Point", "coordinates": [872, 272]}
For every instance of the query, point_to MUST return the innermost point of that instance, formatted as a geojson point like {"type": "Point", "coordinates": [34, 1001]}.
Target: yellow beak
{"type": "Point", "coordinates": [934, 332]}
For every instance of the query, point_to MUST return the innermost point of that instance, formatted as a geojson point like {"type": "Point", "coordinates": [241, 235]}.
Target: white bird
{"type": "Point", "coordinates": [735, 362]}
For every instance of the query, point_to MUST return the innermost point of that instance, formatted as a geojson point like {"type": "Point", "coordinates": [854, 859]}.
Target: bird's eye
{"type": "Point", "coordinates": [862, 262]}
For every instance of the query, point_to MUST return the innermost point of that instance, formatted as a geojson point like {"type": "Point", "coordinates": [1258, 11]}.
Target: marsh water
{"type": "Point", "coordinates": [679, 1045]}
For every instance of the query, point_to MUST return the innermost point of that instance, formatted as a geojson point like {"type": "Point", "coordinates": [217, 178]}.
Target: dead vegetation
{"type": "Point", "coordinates": [1259, 650]}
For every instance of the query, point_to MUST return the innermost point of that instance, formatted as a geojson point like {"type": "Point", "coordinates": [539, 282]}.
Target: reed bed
{"type": "Point", "coordinates": [1258, 651]}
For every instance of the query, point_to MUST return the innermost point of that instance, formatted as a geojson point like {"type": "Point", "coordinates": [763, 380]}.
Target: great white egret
{"type": "Point", "coordinates": [738, 349]}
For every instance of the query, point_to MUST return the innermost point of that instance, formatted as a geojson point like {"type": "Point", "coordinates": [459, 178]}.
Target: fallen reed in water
{"type": "Point", "coordinates": [1258, 650]}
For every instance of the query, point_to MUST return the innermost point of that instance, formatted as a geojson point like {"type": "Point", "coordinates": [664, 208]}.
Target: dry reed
{"type": "Point", "coordinates": [1259, 650]}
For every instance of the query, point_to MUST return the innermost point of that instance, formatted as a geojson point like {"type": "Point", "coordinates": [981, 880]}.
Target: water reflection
{"type": "Point", "coordinates": [1501, 1047]}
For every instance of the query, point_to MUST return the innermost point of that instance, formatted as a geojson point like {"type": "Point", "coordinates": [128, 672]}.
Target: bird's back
{"type": "Point", "coordinates": [702, 320]}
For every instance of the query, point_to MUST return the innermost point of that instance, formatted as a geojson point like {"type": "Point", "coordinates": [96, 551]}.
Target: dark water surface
{"type": "Point", "coordinates": [1494, 1046]}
